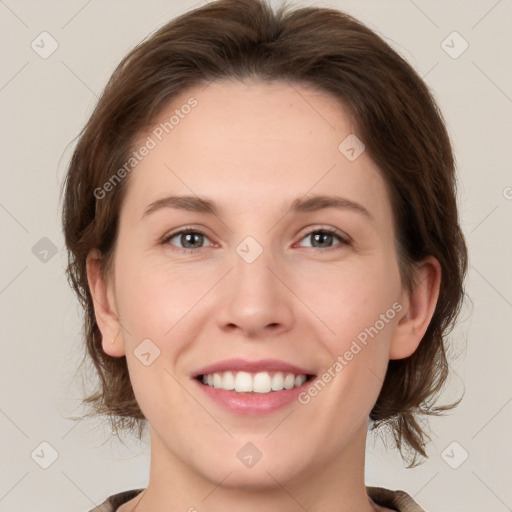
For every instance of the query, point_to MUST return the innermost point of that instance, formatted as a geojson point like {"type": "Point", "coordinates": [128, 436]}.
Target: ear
{"type": "Point", "coordinates": [418, 307]}
{"type": "Point", "coordinates": [104, 306]}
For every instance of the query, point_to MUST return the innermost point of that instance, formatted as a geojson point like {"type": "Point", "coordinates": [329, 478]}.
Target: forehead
{"type": "Point", "coordinates": [244, 141]}
{"type": "Point", "coordinates": [276, 116]}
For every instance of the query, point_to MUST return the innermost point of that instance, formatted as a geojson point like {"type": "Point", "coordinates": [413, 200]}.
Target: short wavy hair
{"type": "Point", "coordinates": [396, 116]}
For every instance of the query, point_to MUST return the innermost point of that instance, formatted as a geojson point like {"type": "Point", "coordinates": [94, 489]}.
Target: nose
{"type": "Point", "coordinates": [256, 300]}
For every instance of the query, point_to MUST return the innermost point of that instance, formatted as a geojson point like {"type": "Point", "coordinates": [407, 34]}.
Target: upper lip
{"type": "Point", "coordinates": [244, 365]}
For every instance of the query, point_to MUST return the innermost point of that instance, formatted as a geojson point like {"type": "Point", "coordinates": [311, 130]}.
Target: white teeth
{"type": "Point", "coordinates": [243, 382]}
{"type": "Point", "coordinates": [289, 381]}
{"type": "Point", "coordinates": [261, 382]}
{"type": "Point", "coordinates": [277, 382]}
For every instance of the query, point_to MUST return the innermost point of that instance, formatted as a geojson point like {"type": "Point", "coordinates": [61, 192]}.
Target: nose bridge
{"type": "Point", "coordinates": [255, 297]}
{"type": "Point", "coordinates": [251, 272]}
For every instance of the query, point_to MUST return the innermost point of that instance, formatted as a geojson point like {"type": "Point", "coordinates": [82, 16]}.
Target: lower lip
{"type": "Point", "coordinates": [253, 404]}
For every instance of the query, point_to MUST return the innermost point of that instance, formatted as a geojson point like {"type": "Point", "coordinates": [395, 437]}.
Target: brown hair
{"type": "Point", "coordinates": [397, 119]}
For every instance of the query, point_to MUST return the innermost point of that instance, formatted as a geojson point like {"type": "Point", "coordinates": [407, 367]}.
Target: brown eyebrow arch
{"type": "Point", "coordinates": [203, 205]}
{"type": "Point", "coordinates": [320, 202]}
{"type": "Point", "coordinates": [190, 203]}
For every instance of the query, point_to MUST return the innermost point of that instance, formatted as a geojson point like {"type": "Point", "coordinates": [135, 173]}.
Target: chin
{"type": "Point", "coordinates": [264, 475]}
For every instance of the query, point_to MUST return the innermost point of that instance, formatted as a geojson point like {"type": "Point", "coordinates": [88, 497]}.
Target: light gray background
{"type": "Point", "coordinates": [45, 102]}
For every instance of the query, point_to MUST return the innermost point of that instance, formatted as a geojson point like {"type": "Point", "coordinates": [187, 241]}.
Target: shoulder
{"type": "Point", "coordinates": [112, 503]}
{"type": "Point", "coordinates": [395, 500]}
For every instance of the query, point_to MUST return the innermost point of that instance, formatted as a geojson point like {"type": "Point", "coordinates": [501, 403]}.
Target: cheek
{"type": "Point", "coordinates": [356, 301]}
{"type": "Point", "coordinates": [361, 307]}
{"type": "Point", "coordinates": [153, 298]}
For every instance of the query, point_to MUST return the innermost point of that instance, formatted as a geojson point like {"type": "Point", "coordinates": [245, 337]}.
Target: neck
{"type": "Point", "coordinates": [336, 483]}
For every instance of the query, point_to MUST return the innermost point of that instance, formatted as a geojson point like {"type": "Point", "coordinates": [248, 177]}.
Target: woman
{"type": "Point", "coordinates": [262, 227]}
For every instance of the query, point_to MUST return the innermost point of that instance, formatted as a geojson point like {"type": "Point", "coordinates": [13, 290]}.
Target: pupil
{"type": "Point", "coordinates": [189, 238]}
{"type": "Point", "coordinates": [322, 237]}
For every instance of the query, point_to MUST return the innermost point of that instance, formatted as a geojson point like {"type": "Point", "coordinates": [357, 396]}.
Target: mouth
{"type": "Point", "coordinates": [252, 388]}
{"type": "Point", "coordinates": [245, 376]}
{"type": "Point", "coordinates": [254, 382]}
{"type": "Point", "coordinates": [252, 395]}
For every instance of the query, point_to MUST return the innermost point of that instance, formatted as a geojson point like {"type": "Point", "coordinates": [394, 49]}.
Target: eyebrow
{"type": "Point", "coordinates": [203, 205]}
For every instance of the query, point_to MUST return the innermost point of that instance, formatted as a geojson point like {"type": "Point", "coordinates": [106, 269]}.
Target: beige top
{"type": "Point", "coordinates": [399, 501]}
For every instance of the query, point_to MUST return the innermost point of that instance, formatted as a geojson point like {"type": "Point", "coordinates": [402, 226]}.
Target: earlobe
{"type": "Point", "coordinates": [418, 308]}
{"type": "Point", "coordinates": [104, 306]}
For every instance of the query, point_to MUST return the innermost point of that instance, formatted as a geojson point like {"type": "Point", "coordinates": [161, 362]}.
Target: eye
{"type": "Point", "coordinates": [189, 238]}
{"type": "Point", "coordinates": [323, 238]}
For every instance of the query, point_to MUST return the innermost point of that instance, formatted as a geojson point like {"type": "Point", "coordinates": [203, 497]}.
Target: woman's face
{"type": "Point", "coordinates": [260, 278]}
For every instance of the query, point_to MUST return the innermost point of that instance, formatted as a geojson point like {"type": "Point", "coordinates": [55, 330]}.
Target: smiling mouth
{"type": "Point", "coordinates": [254, 382]}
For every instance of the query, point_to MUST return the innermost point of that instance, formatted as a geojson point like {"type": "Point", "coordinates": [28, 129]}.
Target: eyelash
{"type": "Point", "coordinates": [344, 239]}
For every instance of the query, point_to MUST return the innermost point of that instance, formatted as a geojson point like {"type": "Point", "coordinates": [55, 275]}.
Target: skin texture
{"type": "Point", "coordinates": [253, 148]}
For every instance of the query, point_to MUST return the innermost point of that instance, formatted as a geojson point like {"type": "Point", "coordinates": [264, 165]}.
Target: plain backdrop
{"type": "Point", "coordinates": [44, 102]}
